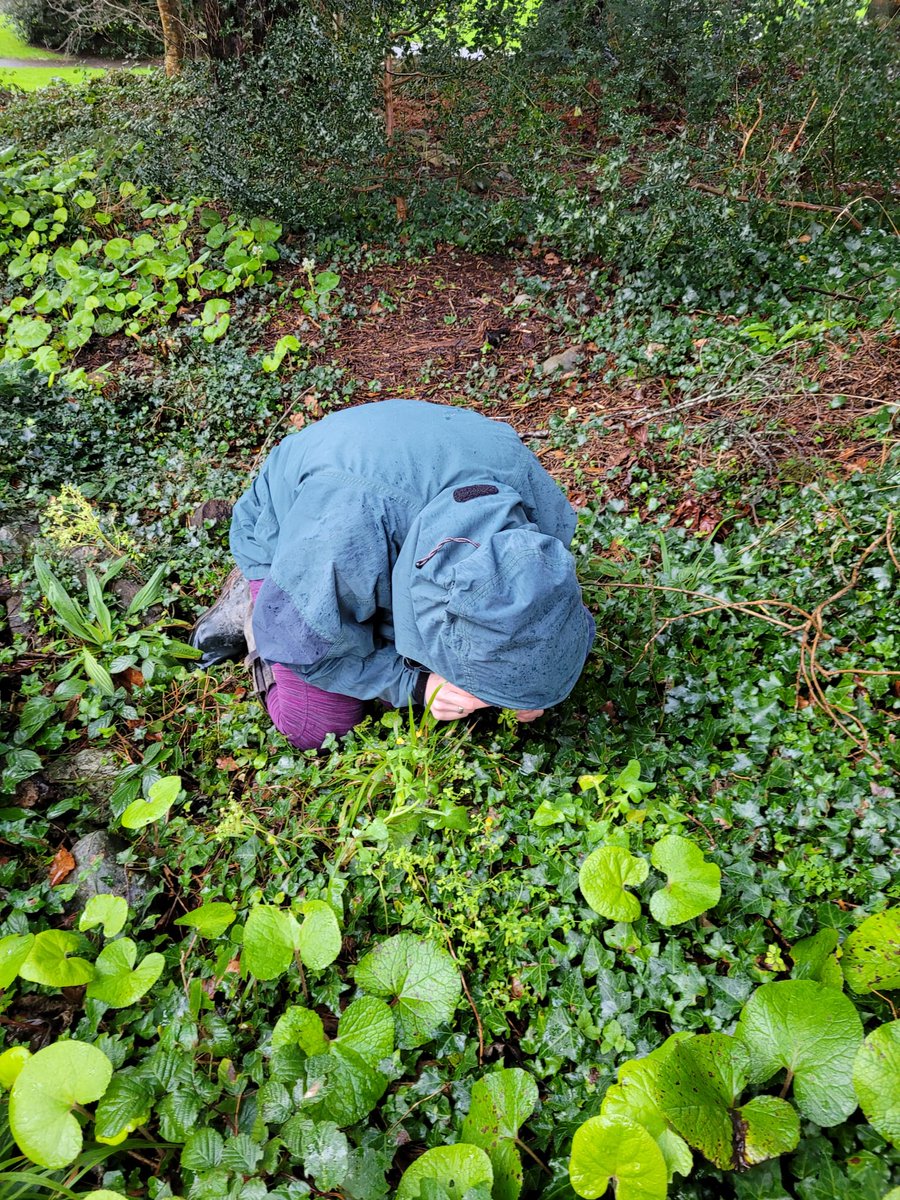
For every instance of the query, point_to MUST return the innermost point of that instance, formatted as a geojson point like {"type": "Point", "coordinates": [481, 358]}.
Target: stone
{"type": "Point", "coordinates": [567, 360]}
{"type": "Point", "coordinates": [97, 872]}
{"type": "Point", "coordinates": [210, 510]}
{"type": "Point", "coordinates": [18, 625]}
{"type": "Point", "coordinates": [94, 770]}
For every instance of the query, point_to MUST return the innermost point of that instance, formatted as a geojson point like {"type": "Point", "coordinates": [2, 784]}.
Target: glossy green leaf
{"type": "Point", "coordinates": [49, 963]}
{"type": "Point", "coordinates": [124, 1106]}
{"type": "Point", "coordinates": [11, 1063]}
{"type": "Point", "coordinates": [612, 1150]}
{"type": "Point", "coordinates": [326, 1154]}
{"type": "Point", "coordinates": [300, 1027]}
{"type": "Point", "coordinates": [366, 1027]}
{"type": "Point", "coordinates": [203, 1150]}
{"type": "Point", "coordinates": [693, 885]}
{"type": "Point", "coordinates": [419, 977]}
{"type": "Point", "coordinates": [456, 1168]}
{"type": "Point", "coordinates": [871, 959]}
{"type": "Point", "coordinates": [319, 940]}
{"type": "Point", "coordinates": [107, 910]}
{"type": "Point", "coordinates": [270, 939]}
{"type": "Point", "coordinates": [767, 1126]}
{"type": "Point", "coordinates": [813, 1032]}
{"type": "Point", "coordinates": [117, 982]}
{"type": "Point", "coordinates": [210, 920]}
{"type": "Point", "coordinates": [40, 1103]}
{"type": "Point", "coordinates": [876, 1080]}
{"type": "Point", "coordinates": [603, 878]}
{"type": "Point", "coordinates": [161, 796]}
{"type": "Point", "coordinates": [98, 674]}
{"type": "Point", "coordinates": [14, 950]}
{"type": "Point", "coordinates": [814, 958]}
{"type": "Point", "coordinates": [501, 1102]}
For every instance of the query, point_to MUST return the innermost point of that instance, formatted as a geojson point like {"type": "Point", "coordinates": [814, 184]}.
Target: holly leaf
{"type": "Point", "coordinates": [117, 982]}
{"type": "Point", "coordinates": [871, 959]}
{"type": "Point", "coordinates": [876, 1080]}
{"type": "Point", "coordinates": [455, 1168]}
{"type": "Point", "coordinates": [612, 1150]}
{"type": "Point", "coordinates": [419, 978]}
{"type": "Point", "coordinates": [692, 886]}
{"type": "Point", "coordinates": [603, 877]}
{"type": "Point", "coordinates": [812, 1031]}
{"type": "Point", "coordinates": [40, 1103]}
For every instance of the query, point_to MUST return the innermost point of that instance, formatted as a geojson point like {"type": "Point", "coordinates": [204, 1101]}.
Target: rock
{"type": "Point", "coordinates": [523, 300]}
{"type": "Point", "coordinates": [567, 360]}
{"type": "Point", "coordinates": [94, 770]}
{"type": "Point", "coordinates": [97, 872]}
{"type": "Point", "coordinates": [17, 623]}
{"type": "Point", "coordinates": [210, 510]}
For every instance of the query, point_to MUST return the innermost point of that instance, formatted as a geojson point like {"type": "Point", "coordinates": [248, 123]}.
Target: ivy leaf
{"type": "Point", "coordinates": [871, 960]}
{"type": "Point", "coordinates": [14, 950]}
{"type": "Point", "coordinates": [812, 1031]}
{"type": "Point", "coordinates": [107, 910]}
{"type": "Point", "coordinates": [692, 886]}
{"type": "Point", "coordinates": [611, 1150]}
{"type": "Point", "coordinates": [270, 939]}
{"type": "Point", "coordinates": [634, 1098]}
{"type": "Point", "coordinates": [420, 977]}
{"type": "Point", "coordinates": [49, 963]}
{"type": "Point", "coordinates": [117, 982]}
{"type": "Point", "coordinates": [455, 1168]}
{"type": "Point", "coordinates": [210, 920]}
{"type": "Point", "coordinates": [40, 1103]}
{"type": "Point", "coordinates": [699, 1086]}
{"type": "Point", "coordinates": [319, 940]}
{"type": "Point", "coordinates": [814, 958]}
{"type": "Point", "coordinates": [603, 877]}
{"type": "Point", "coordinates": [160, 797]}
{"type": "Point", "coordinates": [876, 1080]}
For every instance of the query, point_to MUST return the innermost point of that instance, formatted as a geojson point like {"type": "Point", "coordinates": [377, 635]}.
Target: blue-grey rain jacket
{"type": "Point", "coordinates": [401, 533]}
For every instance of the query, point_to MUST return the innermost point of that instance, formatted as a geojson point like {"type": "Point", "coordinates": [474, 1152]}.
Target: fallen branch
{"type": "Point", "coordinates": [840, 210]}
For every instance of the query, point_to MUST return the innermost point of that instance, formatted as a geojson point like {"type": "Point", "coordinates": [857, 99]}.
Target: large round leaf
{"type": "Point", "coordinates": [11, 1063]}
{"type": "Point", "coordinates": [14, 949]}
{"type": "Point", "coordinates": [814, 958]}
{"type": "Point", "coordinates": [692, 886]}
{"type": "Point", "coordinates": [455, 1168]}
{"type": "Point", "coordinates": [49, 962]}
{"type": "Point", "coordinates": [117, 982]}
{"type": "Point", "coordinates": [270, 939]}
{"type": "Point", "coordinates": [42, 1096]}
{"type": "Point", "coordinates": [210, 920]}
{"type": "Point", "coordinates": [871, 960]}
{"type": "Point", "coordinates": [813, 1032]}
{"type": "Point", "coordinates": [501, 1102]}
{"type": "Point", "coordinates": [767, 1126]}
{"type": "Point", "coordinates": [609, 1149]}
{"type": "Point", "coordinates": [160, 797]}
{"type": "Point", "coordinates": [603, 877]}
{"type": "Point", "coordinates": [319, 940]}
{"type": "Point", "coordinates": [876, 1078]}
{"type": "Point", "coordinates": [107, 910]}
{"type": "Point", "coordinates": [419, 977]}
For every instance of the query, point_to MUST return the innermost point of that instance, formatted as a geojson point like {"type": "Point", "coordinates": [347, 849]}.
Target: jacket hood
{"type": "Point", "coordinates": [485, 599]}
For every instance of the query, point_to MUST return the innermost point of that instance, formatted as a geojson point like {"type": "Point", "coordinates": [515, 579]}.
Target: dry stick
{"type": "Point", "coordinates": [799, 134]}
{"type": "Point", "coordinates": [842, 211]}
{"type": "Point", "coordinates": [471, 1004]}
{"type": "Point", "coordinates": [889, 530]}
{"type": "Point", "coordinates": [750, 132]}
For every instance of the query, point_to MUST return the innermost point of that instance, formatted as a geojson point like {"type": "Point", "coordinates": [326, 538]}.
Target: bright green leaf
{"type": "Point", "coordinates": [609, 1149]}
{"type": "Point", "coordinates": [693, 884]}
{"type": "Point", "coordinates": [420, 977]}
{"type": "Point", "coordinates": [603, 877]}
{"type": "Point", "coordinates": [876, 1080]}
{"type": "Point", "coordinates": [871, 961]}
{"type": "Point", "coordinates": [812, 1031]}
{"type": "Point", "coordinates": [270, 939]}
{"type": "Point", "coordinates": [42, 1096]}
{"type": "Point", "coordinates": [501, 1102]}
{"type": "Point", "coordinates": [300, 1027]}
{"type": "Point", "coordinates": [456, 1168]}
{"type": "Point", "coordinates": [814, 958]}
{"type": "Point", "coordinates": [160, 798]}
{"type": "Point", "coordinates": [11, 1063]}
{"type": "Point", "coordinates": [117, 981]}
{"type": "Point", "coordinates": [104, 909]}
{"type": "Point", "coordinates": [49, 963]}
{"type": "Point", "coordinates": [210, 920]}
{"type": "Point", "coordinates": [319, 940]}
{"type": "Point", "coordinates": [14, 950]}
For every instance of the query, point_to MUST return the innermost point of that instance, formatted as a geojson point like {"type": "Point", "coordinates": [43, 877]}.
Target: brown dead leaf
{"type": "Point", "coordinates": [133, 677]}
{"type": "Point", "coordinates": [227, 764]}
{"type": "Point", "coordinates": [298, 420]}
{"type": "Point", "coordinates": [62, 866]}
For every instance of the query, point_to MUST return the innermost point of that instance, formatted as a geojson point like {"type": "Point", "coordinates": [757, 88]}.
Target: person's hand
{"type": "Point", "coordinates": [448, 702]}
{"type": "Point", "coordinates": [529, 714]}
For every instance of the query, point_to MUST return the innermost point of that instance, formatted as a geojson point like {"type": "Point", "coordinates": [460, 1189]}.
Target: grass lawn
{"type": "Point", "coordinates": [12, 46]}
{"type": "Point", "coordinates": [29, 79]}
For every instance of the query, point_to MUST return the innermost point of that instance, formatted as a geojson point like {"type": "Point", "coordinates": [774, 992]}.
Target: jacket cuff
{"type": "Point", "coordinates": [418, 693]}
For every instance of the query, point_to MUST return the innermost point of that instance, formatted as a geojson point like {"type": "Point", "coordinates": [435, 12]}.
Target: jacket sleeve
{"type": "Point", "coordinates": [324, 609]}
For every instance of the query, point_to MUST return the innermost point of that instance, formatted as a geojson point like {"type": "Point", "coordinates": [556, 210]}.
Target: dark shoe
{"type": "Point", "coordinates": [219, 633]}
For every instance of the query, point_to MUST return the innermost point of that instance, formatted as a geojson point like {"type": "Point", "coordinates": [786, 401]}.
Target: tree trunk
{"type": "Point", "coordinates": [173, 35]}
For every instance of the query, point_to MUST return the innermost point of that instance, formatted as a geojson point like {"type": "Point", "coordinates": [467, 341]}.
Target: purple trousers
{"type": "Point", "coordinates": [303, 713]}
